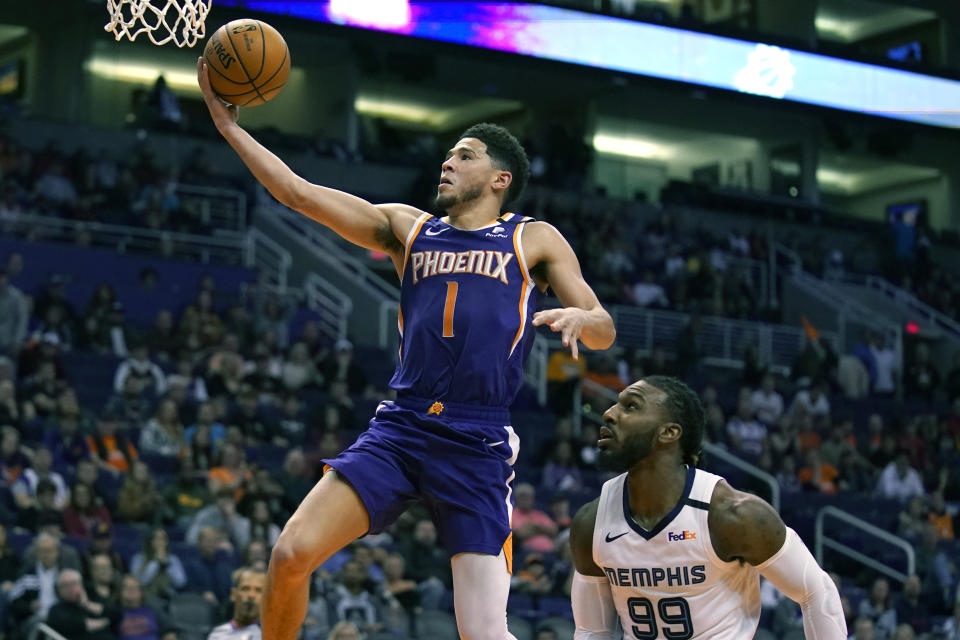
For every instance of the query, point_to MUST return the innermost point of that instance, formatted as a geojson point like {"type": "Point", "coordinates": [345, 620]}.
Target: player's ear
{"type": "Point", "coordinates": [502, 180]}
{"type": "Point", "coordinates": [670, 432]}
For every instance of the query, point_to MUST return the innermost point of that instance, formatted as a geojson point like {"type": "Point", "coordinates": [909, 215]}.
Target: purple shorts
{"type": "Point", "coordinates": [457, 459]}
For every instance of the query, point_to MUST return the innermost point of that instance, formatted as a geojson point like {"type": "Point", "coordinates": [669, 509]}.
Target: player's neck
{"type": "Point", "coordinates": [473, 215]}
{"type": "Point", "coordinates": [655, 485]}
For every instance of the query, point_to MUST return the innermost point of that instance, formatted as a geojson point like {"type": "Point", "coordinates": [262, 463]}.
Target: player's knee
{"type": "Point", "coordinates": [482, 627]}
{"type": "Point", "coordinates": [294, 553]}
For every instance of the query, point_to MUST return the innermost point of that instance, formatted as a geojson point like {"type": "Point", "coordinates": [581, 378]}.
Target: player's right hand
{"type": "Point", "coordinates": [222, 113]}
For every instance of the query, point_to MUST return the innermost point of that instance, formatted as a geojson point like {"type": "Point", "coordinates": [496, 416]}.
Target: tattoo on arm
{"type": "Point", "coordinates": [386, 239]}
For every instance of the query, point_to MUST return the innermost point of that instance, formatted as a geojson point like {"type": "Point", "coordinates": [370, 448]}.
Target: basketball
{"type": "Point", "coordinates": [248, 62]}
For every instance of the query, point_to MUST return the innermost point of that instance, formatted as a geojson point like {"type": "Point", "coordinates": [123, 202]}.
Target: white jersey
{"type": "Point", "coordinates": [668, 582]}
{"type": "Point", "coordinates": [230, 631]}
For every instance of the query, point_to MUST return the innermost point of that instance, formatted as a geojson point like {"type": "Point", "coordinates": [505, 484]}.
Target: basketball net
{"type": "Point", "coordinates": [163, 20]}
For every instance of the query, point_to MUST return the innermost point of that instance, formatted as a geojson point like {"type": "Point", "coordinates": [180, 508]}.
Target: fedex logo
{"type": "Point", "coordinates": [683, 535]}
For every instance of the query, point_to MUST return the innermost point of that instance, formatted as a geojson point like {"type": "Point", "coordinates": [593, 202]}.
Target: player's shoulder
{"type": "Point", "coordinates": [581, 537]}
{"type": "Point", "coordinates": [743, 525]}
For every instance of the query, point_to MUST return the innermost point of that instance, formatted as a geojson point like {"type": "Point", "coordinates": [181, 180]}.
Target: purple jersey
{"type": "Point", "coordinates": [465, 312]}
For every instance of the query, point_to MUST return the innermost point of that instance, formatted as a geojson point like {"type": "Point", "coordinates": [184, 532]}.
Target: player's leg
{"type": "Point", "coordinates": [329, 518]}
{"type": "Point", "coordinates": [481, 584]}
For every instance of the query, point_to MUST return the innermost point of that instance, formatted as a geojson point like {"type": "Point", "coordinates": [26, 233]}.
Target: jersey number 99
{"type": "Point", "coordinates": [674, 614]}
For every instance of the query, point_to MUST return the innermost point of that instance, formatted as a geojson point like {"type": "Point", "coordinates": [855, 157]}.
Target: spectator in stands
{"type": "Point", "coordinates": [291, 425]}
{"type": "Point", "coordinates": [533, 530]}
{"type": "Point", "coordinates": [103, 582]}
{"type": "Point", "coordinates": [921, 378]}
{"type": "Point", "coordinates": [55, 190]}
{"type": "Point", "coordinates": [560, 473]}
{"type": "Point", "coordinates": [78, 617]}
{"type": "Point", "coordinates": [940, 517]}
{"type": "Point", "coordinates": [131, 407]}
{"type": "Point", "coordinates": [161, 339]}
{"type": "Point", "coordinates": [231, 473]}
{"type": "Point", "coordinates": [913, 519]}
{"type": "Point", "coordinates": [343, 368]}
{"type": "Point", "coordinates": [294, 478]}
{"type": "Point", "coordinates": [863, 629]}
{"type": "Point", "coordinates": [648, 292]}
{"type": "Point", "coordinates": [767, 401]}
{"type": "Point", "coordinates": [256, 555]}
{"type": "Point", "coordinates": [427, 564]}
{"type": "Point", "coordinates": [813, 402]}
{"type": "Point", "coordinates": [937, 570]}
{"type": "Point", "coordinates": [41, 390]}
{"type": "Point", "coordinates": [533, 579]}
{"type": "Point", "coordinates": [563, 375]}
{"type": "Point", "coordinates": [208, 324]}
{"type": "Point", "coordinates": [83, 512]}
{"type": "Point", "coordinates": [24, 490]}
{"type": "Point", "coordinates": [189, 493]}
{"type": "Point", "coordinates": [139, 366]}
{"type": "Point", "coordinates": [400, 587]}
{"type": "Point", "coordinates": [836, 447]}
{"type": "Point", "coordinates": [225, 375]}
{"type": "Point", "coordinates": [299, 370]}
{"type": "Point", "coordinates": [747, 436]}
{"type": "Point", "coordinates": [250, 418]}
{"type": "Point", "coordinates": [878, 609]}
{"type": "Point", "coordinates": [9, 568]}
{"type": "Point", "coordinates": [101, 543]}
{"type": "Point", "coordinates": [856, 473]}
{"type": "Point", "coordinates": [788, 477]}
{"type": "Point", "coordinates": [352, 601]}
{"type": "Point", "coordinates": [139, 501]}
{"type": "Point", "coordinates": [262, 526]}
{"type": "Point", "coordinates": [139, 620]}
{"type": "Point", "coordinates": [65, 436]}
{"type": "Point", "coordinates": [950, 629]}
{"type": "Point", "coordinates": [192, 387]}
{"type": "Point", "coordinates": [42, 510]}
{"type": "Point", "coordinates": [344, 631]}
{"type": "Point", "coordinates": [13, 456]}
{"type": "Point", "coordinates": [658, 363]}
{"type": "Point", "coordinates": [163, 433]}
{"type": "Point", "coordinates": [899, 481]}
{"type": "Point", "coordinates": [911, 609]}
{"type": "Point", "coordinates": [208, 573]}
{"type": "Point", "coordinates": [223, 517]}
{"type": "Point", "coordinates": [14, 316]}
{"type": "Point", "coordinates": [817, 475]}
{"type": "Point", "coordinates": [109, 449]}
{"type": "Point", "coordinates": [88, 474]}
{"type": "Point", "coordinates": [96, 316]}
{"type": "Point", "coordinates": [159, 571]}
{"type": "Point", "coordinates": [39, 350]}
{"type": "Point", "coordinates": [10, 413]}
{"type": "Point", "coordinates": [214, 433]}
{"type": "Point", "coordinates": [885, 384]}
{"type": "Point", "coordinates": [34, 591]}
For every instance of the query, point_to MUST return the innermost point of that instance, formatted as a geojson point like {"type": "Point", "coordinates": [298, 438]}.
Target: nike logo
{"type": "Point", "coordinates": [431, 232]}
{"type": "Point", "coordinates": [609, 539]}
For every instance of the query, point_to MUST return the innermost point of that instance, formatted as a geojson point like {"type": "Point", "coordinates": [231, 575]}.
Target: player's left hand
{"type": "Point", "coordinates": [567, 321]}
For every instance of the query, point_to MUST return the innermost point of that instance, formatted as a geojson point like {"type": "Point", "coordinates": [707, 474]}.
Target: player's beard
{"type": "Point", "coordinates": [632, 450]}
{"type": "Point", "coordinates": [444, 201]}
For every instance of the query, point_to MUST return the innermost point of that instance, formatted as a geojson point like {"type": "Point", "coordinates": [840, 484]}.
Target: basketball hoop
{"type": "Point", "coordinates": [163, 20]}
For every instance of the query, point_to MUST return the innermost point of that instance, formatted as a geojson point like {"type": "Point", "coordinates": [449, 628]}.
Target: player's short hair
{"type": "Point", "coordinates": [507, 154]}
{"type": "Point", "coordinates": [685, 408]}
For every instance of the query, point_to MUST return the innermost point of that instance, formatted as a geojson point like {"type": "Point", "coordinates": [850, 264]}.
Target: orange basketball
{"type": "Point", "coordinates": [248, 62]}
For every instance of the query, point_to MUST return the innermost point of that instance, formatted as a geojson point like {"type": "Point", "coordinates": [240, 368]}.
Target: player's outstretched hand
{"type": "Point", "coordinates": [568, 322]}
{"type": "Point", "coordinates": [221, 113]}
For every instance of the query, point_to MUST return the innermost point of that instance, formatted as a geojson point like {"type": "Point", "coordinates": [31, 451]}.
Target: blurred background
{"type": "Point", "coordinates": [765, 196]}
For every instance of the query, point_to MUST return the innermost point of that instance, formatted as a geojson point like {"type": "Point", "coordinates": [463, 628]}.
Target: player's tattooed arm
{"type": "Point", "coordinates": [744, 527]}
{"type": "Point", "coordinates": [581, 539]}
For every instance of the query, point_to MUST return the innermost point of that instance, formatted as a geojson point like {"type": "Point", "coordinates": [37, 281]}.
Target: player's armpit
{"type": "Point", "coordinates": [594, 612]}
{"type": "Point", "coordinates": [581, 539]}
{"type": "Point", "coordinates": [794, 571]}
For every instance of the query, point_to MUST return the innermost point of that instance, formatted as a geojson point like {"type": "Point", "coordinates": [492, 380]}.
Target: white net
{"type": "Point", "coordinates": [180, 21]}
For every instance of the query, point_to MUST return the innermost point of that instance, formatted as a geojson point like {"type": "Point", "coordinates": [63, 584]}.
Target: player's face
{"type": "Point", "coordinates": [631, 427]}
{"type": "Point", "coordinates": [465, 174]}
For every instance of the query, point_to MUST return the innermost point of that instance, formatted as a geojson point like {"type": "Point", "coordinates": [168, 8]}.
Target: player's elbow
{"type": "Point", "coordinates": [602, 335]}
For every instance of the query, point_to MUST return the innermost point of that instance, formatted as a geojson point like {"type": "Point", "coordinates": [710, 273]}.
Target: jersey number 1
{"type": "Point", "coordinates": [674, 612]}
{"type": "Point", "coordinates": [448, 308]}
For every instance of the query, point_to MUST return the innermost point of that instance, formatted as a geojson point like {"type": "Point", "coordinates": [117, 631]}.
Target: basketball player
{"type": "Point", "coordinates": [466, 328]}
{"type": "Point", "coordinates": [674, 551]}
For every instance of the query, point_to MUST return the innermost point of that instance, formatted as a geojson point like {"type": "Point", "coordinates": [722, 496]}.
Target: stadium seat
{"type": "Point", "coordinates": [438, 625]}
{"type": "Point", "coordinates": [193, 616]}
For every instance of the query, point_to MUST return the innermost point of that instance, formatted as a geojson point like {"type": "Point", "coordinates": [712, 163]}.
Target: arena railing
{"type": "Point", "coordinates": [224, 209]}
{"type": "Point", "coordinates": [333, 304]}
{"type": "Point", "coordinates": [823, 540]}
{"type": "Point", "coordinates": [42, 631]}
{"type": "Point", "coordinates": [251, 249]}
{"type": "Point", "coordinates": [599, 391]}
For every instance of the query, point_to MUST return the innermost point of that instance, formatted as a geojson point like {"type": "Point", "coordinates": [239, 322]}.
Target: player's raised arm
{"type": "Point", "coordinates": [744, 527]}
{"type": "Point", "coordinates": [374, 227]}
{"type": "Point", "coordinates": [555, 264]}
{"type": "Point", "coordinates": [594, 613]}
